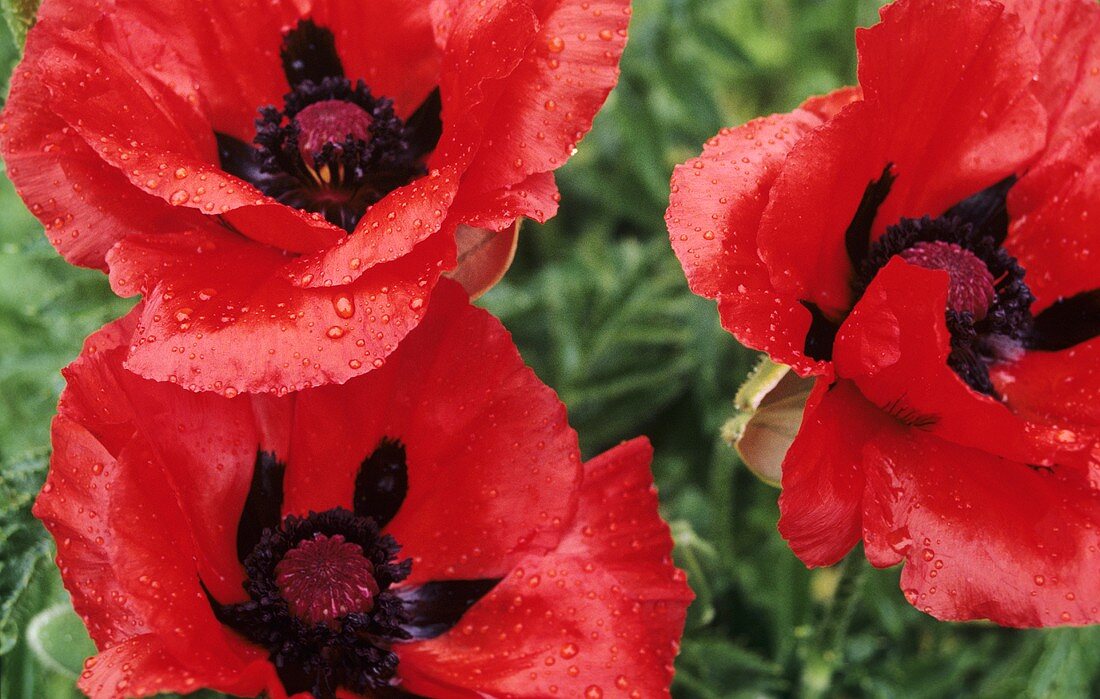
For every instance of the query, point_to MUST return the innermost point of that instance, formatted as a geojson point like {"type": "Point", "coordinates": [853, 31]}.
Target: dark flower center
{"type": "Point", "coordinates": [989, 306]}
{"type": "Point", "coordinates": [330, 121]}
{"type": "Point", "coordinates": [321, 588]}
{"type": "Point", "coordinates": [320, 601]}
{"type": "Point", "coordinates": [334, 148]}
{"type": "Point", "coordinates": [988, 303]}
{"type": "Point", "coordinates": [326, 578]}
{"type": "Point", "coordinates": [971, 286]}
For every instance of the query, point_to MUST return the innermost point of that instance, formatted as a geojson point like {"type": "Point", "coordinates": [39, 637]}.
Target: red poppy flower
{"type": "Point", "coordinates": [283, 181]}
{"type": "Point", "coordinates": [425, 530]}
{"type": "Point", "coordinates": [922, 245]}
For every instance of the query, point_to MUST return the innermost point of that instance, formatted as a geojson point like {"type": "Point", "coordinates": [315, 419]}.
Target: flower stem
{"type": "Point", "coordinates": [825, 650]}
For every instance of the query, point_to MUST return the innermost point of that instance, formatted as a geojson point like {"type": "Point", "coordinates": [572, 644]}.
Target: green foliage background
{"type": "Point", "coordinates": [599, 307]}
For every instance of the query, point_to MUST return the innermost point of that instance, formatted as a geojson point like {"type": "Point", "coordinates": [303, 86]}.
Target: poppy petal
{"type": "Point", "coordinates": [1068, 82]}
{"type": "Point", "coordinates": [394, 52]}
{"type": "Point", "coordinates": [546, 105]}
{"type": "Point", "coordinates": [1054, 233]}
{"type": "Point", "coordinates": [600, 614]}
{"type": "Point", "coordinates": [388, 231]}
{"type": "Point", "coordinates": [982, 536]}
{"type": "Point", "coordinates": [477, 427]}
{"type": "Point", "coordinates": [162, 144]}
{"type": "Point", "coordinates": [58, 175]}
{"type": "Point", "coordinates": [213, 472]}
{"type": "Point", "coordinates": [218, 309]}
{"type": "Point", "coordinates": [894, 347]}
{"type": "Point", "coordinates": [537, 197]}
{"type": "Point", "coordinates": [1060, 388]}
{"type": "Point", "coordinates": [713, 215]}
{"type": "Point", "coordinates": [140, 666]}
{"type": "Point", "coordinates": [822, 499]}
{"type": "Point", "coordinates": [128, 559]}
{"type": "Point", "coordinates": [227, 47]}
{"type": "Point", "coordinates": [946, 101]}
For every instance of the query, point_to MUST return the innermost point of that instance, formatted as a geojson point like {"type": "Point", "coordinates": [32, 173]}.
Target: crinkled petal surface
{"type": "Point", "coordinates": [492, 463]}
{"type": "Point", "coordinates": [894, 347]}
{"type": "Point", "coordinates": [110, 138]}
{"type": "Point", "coordinates": [1068, 82]}
{"type": "Point", "coordinates": [1054, 209]}
{"type": "Point", "coordinates": [220, 316]}
{"type": "Point", "coordinates": [946, 101]}
{"type": "Point", "coordinates": [600, 615]}
{"type": "Point", "coordinates": [546, 105]}
{"type": "Point", "coordinates": [983, 537]}
{"type": "Point", "coordinates": [1061, 389]}
{"type": "Point", "coordinates": [713, 218]}
{"type": "Point", "coordinates": [130, 548]}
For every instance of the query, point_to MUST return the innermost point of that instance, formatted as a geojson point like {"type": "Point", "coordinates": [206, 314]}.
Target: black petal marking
{"type": "Point", "coordinates": [382, 483]}
{"type": "Point", "coordinates": [986, 211]}
{"type": "Point", "coordinates": [264, 504]}
{"type": "Point", "coordinates": [822, 335]}
{"type": "Point", "coordinates": [434, 608]}
{"type": "Point", "coordinates": [857, 239]}
{"type": "Point", "coordinates": [1067, 322]}
{"type": "Point", "coordinates": [309, 53]}
{"type": "Point", "coordinates": [900, 411]}
{"type": "Point", "coordinates": [425, 126]}
{"type": "Point", "coordinates": [242, 160]}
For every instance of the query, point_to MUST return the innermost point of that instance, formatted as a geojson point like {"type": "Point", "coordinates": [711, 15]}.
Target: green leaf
{"type": "Point", "coordinates": [20, 16]}
{"type": "Point", "coordinates": [24, 545]}
{"type": "Point", "coordinates": [59, 641]}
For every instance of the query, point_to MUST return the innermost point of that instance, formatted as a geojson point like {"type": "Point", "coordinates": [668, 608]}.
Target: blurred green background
{"type": "Point", "coordinates": [599, 307]}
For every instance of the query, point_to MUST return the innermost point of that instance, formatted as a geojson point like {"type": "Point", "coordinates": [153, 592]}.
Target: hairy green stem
{"type": "Point", "coordinates": [825, 650]}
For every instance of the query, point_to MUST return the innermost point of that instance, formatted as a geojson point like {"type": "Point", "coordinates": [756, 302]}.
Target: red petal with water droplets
{"type": "Point", "coordinates": [1061, 389]}
{"type": "Point", "coordinates": [537, 197]}
{"type": "Point", "coordinates": [600, 615]}
{"type": "Point", "coordinates": [894, 347]}
{"type": "Point", "coordinates": [1068, 82]}
{"type": "Point", "coordinates": [62, 179]}
{"type": "Point", "coordinates": [544, 107]}
{"type": "Point", "coordinates": [946, 100]}
{"type": "Point", "coordinates": [140, 666]}
{"type": "Point", "coordinates": [221, 316]}
{"type": "Point", "coordinates": [821, 503]}
{"type": "Point", "coordinates": [127, 552]}
{"type": "Point", "coordinates": [492, 462]}
{"type": "Point", "coordinates": [984, 537]}
{"type": "Point", "coordinates": [222, 56]}
{"type": "Point", "coordinates": [390, 230]}
{"type": "Point", "coordinates": [713, 216]}
{"type": "Point", "coordinates": [126, 414]}
{"type": "Point", "coordinates": [160, 140]}
{"type": "Point", "coordinates": [1054, 232]}
{"type": "Point", "coordinates": [394, 52]}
